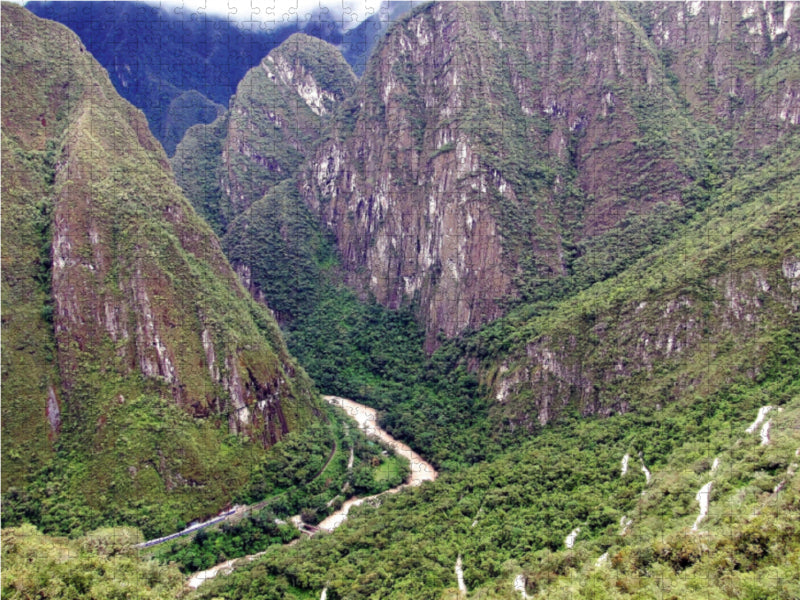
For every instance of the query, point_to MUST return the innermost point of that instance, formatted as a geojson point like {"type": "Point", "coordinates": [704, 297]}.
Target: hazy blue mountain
{"type": "Point", "coordinates": [180, 68]}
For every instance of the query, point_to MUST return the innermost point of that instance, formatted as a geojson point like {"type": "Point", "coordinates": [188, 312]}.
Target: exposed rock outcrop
{"type": "Point", "coordinates": [485, 141]}
{"type": "Point", "coordinates": [143, 303]}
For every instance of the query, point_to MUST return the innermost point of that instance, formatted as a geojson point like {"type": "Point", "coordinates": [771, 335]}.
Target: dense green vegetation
{"type": "Point", "coordinates": [295, 477]}
{"type": "Point", "coordinates": [99, 566]}
{"type": "Point", "coordinates": [127, 339]}
{"type": "Point", "coordinates": [373, 355]}
{"type": "Point", "coordinates": [284, 249]}
{"type": "Point", "coordinates": [512, 515]}
{"type": "Point", "coordinates": [307, 475]}
{"type": "Point", "coordinates": [199, 177]}
{"type": "Point", "coordinates": [660, 336]}
{"type": "Point", "coordinates": [526, 499]}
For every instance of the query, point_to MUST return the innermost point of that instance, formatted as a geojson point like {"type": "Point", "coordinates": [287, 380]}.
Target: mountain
{"type": "Point", "coordinates": [277, 115]}
{"type": "Point", "coordinates": [237, 170]}
{"type": "Point", "coordinates": [490, 148]}
{"type": "Point", "coordinates": [652, 238]}
{"type": "Point", "coordinates": [357, 43]}
{"type": "Point", "coordinates": [555, 245]}
{"type": "Point", "coordinates": [137, 372]}
{"type": "Point", "coordinates": [467, 178]}
{"type": "Point", "coordinates": [734, 64]}
{"type": "Point", "coordinates": [180, 68]}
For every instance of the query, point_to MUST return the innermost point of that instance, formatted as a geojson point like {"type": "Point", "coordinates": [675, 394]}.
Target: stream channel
{"type": "Point", "coordinates": [367, 420]}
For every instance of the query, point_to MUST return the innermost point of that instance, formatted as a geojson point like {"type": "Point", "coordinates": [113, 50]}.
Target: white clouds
{"type": "Point", "coordinates": [271, 13]}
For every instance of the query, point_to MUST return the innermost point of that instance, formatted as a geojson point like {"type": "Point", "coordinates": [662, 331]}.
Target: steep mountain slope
{"type": "Point", "coordinates": [715, 305]}
{"type": "Point", "coordinates": [276, 115]}
{"type": "Point", "coordinates": [494, 137]}
{"type": "Point", "coordinates": [643, 218]}
{"type": "Point", "coordinates": [129, 346]}
{"type": "Point", "coordinates": [357, 43]}
{"type": "Point", "coordinates": [178, 67]}
{"type": "Point", "coordinates": [682, 489]}
{"type": "Point", "coordinates": [588, 508]}
{"type": "Point", "coordinates": [237, 170]}
{"type": "Point", "coordinates": [590, 149]}
{"type": "Point", "coordinates": [488, 146]}
{"type": "Point", "coordinates": [735, 64]}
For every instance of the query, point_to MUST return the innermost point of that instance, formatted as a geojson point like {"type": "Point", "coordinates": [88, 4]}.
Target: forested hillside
{"type": "Point", "coordinates": [636, 150]}
{"type": "Point", "coordinates": [141, 382]}
{"type": "Point", "coordinates": [556, 245]}
{"type": "Point", "coordinates": [668, 306]}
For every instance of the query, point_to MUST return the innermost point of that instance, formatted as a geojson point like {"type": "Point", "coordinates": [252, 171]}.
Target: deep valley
{"type": "Point", "coordinates": [504, 303]}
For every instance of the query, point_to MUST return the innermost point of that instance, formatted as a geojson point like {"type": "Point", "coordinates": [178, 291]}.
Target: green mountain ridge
{"type": "Point", "coordinates": [612, 163]}
{"type": "Point", "coordinates": [583, 402]}
{"type": "Point", "coordinates": [673, 320]}
{"type": "Point", "coordinates": [137, 371]}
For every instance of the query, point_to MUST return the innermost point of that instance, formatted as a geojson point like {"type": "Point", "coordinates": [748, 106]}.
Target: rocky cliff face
{"type": "Point", "coordinates": [274, 119]}
{"type": "Point", "coordinates": [485, 143]}
{"type": "Point", "coordinates": [275, 115]}
{"type": "Point", "coordinates": [126, 289]}
{"type": "Point", "coordinates": [236, 170]}
{"type": "Point", "coordinates": [716, 308]}
{"type": "Point", "coordinates": [729, 59]}
{"type": "Point", "coordinates": [476, 129]}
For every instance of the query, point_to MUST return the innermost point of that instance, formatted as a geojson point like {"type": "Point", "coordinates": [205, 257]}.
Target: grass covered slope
{"type": "Point", "coordinates": [155, 378]}
{"type": "Point", "coordinates": [712, 306]}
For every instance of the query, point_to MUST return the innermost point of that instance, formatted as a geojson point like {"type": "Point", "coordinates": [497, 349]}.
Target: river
{"type": "Point", "coordinates": [367, 419]}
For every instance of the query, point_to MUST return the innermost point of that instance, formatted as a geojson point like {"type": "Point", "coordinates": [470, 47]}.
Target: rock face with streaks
{"type": "Point", "coordinates": [275, 115]}
{"type": "Point", "coordinates": [486, 142]}
{"type": "Point", "coordinates": [239, 171]}
{"type": "Point", "coordinates": [273, 121]}
{"type": "Point", "coordinates": [131, 308]}
{"type": "Point", "coordinates": [521, 152]}
{"type": "Point", "coordinates": [652, 345]}
{"type": "Point", "coordinates": [489, 150]}
{"type": "Point", "coordinates": [723, 55]}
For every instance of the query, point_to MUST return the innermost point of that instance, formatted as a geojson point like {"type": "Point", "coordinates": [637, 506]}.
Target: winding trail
{"type": "Point", "coordinates": [646, 472]}
{"type": "Point", "coordinates": [765, 433]}
{"type": "Point", "coordinates": [196, 579]}
{"type": "Point", "coordinates": [624, 523]}
{"type": "Point", "coordinates": [570, 541]}
{"type": "Point", "coordinates": [367, 420]}
{"type": "Point", "coordinates": [519, 586]}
